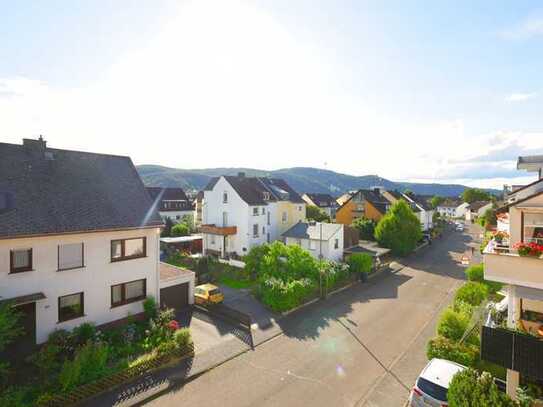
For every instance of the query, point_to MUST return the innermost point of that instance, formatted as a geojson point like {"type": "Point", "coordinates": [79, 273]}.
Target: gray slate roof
{"type": "Point", "coordinates": [322, 200]}
{"type": "Point", "coordinates": [303, 230]}
{"type": "Point", "coordinates": [53, 191]}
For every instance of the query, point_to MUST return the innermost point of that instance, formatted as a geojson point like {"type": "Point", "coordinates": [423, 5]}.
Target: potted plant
{"type": "Point", "coordinates": [528, 249]}
{"type": "Point", "coordinates": [499, 236]}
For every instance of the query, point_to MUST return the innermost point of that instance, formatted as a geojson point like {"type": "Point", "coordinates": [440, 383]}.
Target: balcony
{"type": "Point", "coordinates": [505, 265]}
{"type": "Point", "coordinates": [219, 230]}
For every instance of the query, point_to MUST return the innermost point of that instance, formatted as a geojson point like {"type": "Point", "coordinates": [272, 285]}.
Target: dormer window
{"type": "Point", "coordinates": [266, 196]}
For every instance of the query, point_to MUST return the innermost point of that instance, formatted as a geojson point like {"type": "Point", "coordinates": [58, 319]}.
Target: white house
{"type": "Point", "coordinates": [452, 208]}
{"type": "Point", "coordinates": [322, 240]}
{"type": "Point", "coordinates": [172, 203]}
{"type": "Point", "coordinates": [79, 239]}
{"type": "Point", "coordinates": [240, 212]}
{"type": "Point", "coordinates": [476, 209]}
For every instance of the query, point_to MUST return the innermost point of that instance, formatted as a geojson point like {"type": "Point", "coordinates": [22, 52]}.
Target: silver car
{"type": "Point", "coordinates": [431, 387]}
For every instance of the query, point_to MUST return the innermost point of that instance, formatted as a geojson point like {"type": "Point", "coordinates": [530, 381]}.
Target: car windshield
{"type": "Point", "coordinates": [214, 291]}
{"type": "Point", "coordinates": [432, 389]}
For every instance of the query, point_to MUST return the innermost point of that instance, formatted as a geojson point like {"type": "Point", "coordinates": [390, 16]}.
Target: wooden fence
{"type": "Point", "coordinates": [91, 389]}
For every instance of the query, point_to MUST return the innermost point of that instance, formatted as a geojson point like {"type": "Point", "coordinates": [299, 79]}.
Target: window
{"type": "Point", "coordinates": [255, 230]}
{"type": "Point", "coordinates": [225, 219]}
{"type": "Point", "coordinates": [213, 239]}
{"type": "Point", "coordinates": [70, 256]}
{"type": "Point", "coordinates": [312, 245]}
{"type": "Point", "coordinates": [127, 249]}
{"type": "Point", "coordinates": [20, 260]}
{"type": "Point", "coordinates": [284, 217]}
{"type": "Point", "coordinates": [225, 197]}
{"type": "Point", "coordinates": [70, 307]}
{"type": "Point", "coordinates": [128, 292]}
{"type": "Point", "coordinates": [299, 242]}
{"type": "Point", "coordinates": [263, 230]}
{"type": "Point", "coordinates": [336, 244]}
{"type": "Point", "coordinates": [533, 228]}
{"type": "Point", "coordinates": [263, 211]}
{"type": "Point", "coordinates": [255, 211]}
{"type": "Point", "coordinates": [299, 208]}
{"type": "Point", "coordinates": [269, 220]}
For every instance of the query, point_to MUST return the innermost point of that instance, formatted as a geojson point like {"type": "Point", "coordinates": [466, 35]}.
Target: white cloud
{"type": "Point", "coordinates": [520, 97]}
{"type": "Point", "coordinates": [527, 29]}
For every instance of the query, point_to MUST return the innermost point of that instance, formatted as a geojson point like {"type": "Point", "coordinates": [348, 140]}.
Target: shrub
{"type": "Point", "coordinates": [9, 331]}
{"type": "Point", "coordinates": [469, 388]}
{"type": "Point", "coordinates": [182, 338]}
{"type": "Point", "coordinates": [83, 333]}
{"type": "Point", "coordinates": [360, 263]}
{"type": "Point", "coordinates": [89, 364]}
{"type": "Point", "coordinates": [283, 296]}
{"type": "Point", "coordinates": [399, 230]}
{"type": "Point", "coordinates": [444, 348]}
{"type": "Point", "coordinates": [150, 308]}
{"type": "Point", "coordinates": [476, 273]}
{"type": "Point", "coordinates": [472, 293]}
{"type": "Point", "coordinates": [335, 272]}
{"type": "Point", "coordinates": [254, 259]}
{"type": "Point", "coordinates": [365, 227]}
{"type": "Point", "coordinates": [181, 229]}
{"type": "Point", "coordinates": [453, 324]}
{"type": "Point", "coordinates": [15, 397]}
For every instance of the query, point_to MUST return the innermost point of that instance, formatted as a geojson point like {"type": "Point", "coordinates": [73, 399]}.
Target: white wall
{"type": "Point", "coordinates": [95, 279]}
{"type": "Point", "coordinates": [328, 251]}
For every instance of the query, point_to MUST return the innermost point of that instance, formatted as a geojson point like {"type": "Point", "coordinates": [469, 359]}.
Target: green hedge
{"type": "Point", "coordinates": [470, 388]}
{"type": "Point", "coordinates": [444, 348]}
{"type": "Point", "coordinates": [476, 274]}
{"type": "Point", "coordinates": [472, 293]}
{"type": "Point", "coordinates": [282, 296]}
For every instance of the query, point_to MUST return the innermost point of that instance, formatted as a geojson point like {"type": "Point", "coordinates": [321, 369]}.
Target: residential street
{"type": "Point", "coordinates": [362, 347]}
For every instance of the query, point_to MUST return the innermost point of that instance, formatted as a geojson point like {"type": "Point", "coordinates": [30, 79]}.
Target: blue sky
{"type": "Point", "coordinates": [420, 91]}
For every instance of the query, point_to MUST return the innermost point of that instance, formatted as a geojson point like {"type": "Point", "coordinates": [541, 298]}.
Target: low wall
{"type": "Point", "coordinates": [232, 262]}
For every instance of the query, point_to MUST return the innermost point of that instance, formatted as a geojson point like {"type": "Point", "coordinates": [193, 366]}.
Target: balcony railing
{"type": "Point", "coordinates": [512, 349]}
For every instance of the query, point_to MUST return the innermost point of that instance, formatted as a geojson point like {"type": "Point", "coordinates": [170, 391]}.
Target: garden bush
{"type": "Point", "coordinates": [360, 263]}
{"type": "Point", "coordinates": [365, 227]}
{"type": "Point", "coordinates": [399, 230]}
{"type": "Point", "coordinates": [282, 296]}
{"type": "Point", "coordinates": [335, 273]}
{"type": "Point", "coordinates": [453, 324]}
{"type": "Point", "coordinates": [89, 364]}
{"type": "Point", "coordinates": [472, 293]}
{"type": "Point", "coordinates": [476, 273]}
{"type": "Point", "coordinates": [470, 388]}
{"type": "Point", "coordinates": [444, 348]}
{"type": "Point", "coordinates": [150, 308]}
{"type": "Point", "coordinates": [182, 338]}
{"type": "Point", "coordinates": [83, 333]}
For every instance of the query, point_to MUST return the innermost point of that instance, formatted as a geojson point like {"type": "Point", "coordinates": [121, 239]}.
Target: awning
{"type": "Point", "coordinates": [24, 299]}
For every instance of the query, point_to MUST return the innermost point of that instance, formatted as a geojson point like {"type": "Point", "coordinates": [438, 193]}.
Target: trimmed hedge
{"type": "Point", "coordinates": [444, 348]}
{"type": "Point", "coordinates": [470, 388]}
{"type": "Point", "coordinates": [284, 295]}
{"type": "Point", "coordinates": [472, 293]}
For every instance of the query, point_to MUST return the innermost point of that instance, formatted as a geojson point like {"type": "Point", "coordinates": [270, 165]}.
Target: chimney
{"type": "Point", "coordinates": [241, 174]}
{"type": "Point", "coordinates": [31, 144]}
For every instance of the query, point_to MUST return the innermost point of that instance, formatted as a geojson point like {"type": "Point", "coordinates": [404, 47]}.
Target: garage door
{"type": "Point", "coordinates": [176, 296]}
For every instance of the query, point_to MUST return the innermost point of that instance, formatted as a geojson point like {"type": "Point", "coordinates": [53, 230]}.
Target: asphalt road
{"type": "Point", "coordinates": [362, 347]}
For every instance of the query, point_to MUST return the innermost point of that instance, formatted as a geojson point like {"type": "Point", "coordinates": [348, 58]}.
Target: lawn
{"type": "Point", "coordinates": [238, 284]}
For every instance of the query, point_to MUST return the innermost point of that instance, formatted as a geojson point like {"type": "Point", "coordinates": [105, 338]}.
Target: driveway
{"type": "Point", "coordinates": [364, 346]}
{"type": "Point", "coordinates": [264, 321]}
{"type": "Point", "coordinates": [208, 332]}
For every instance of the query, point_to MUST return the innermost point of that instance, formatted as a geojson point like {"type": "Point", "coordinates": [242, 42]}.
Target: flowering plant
{"type": "Point", "coordinates": [528, 249]}
{"type": "Point", "coordinates": [500, 235]}
{"type": "Point", "coordinates": [173, 325]}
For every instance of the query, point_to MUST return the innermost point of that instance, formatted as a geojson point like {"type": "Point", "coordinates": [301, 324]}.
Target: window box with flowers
{"type": "Point", "coordinates": [528, 249]}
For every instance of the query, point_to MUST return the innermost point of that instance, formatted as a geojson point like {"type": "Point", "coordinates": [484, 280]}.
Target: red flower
{"type": "Point", "coordinates": [173, 325]}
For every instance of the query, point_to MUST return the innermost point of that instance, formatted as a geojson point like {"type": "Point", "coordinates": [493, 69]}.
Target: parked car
{"type": "Point", "coordinates": [459, 227]}
{"type": "Point", "coordinates": [431, 387]}
{"type": "Point", "coordinates": [208, 294]}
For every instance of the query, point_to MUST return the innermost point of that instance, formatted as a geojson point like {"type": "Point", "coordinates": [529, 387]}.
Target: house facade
{"type": "Point", "coordinates": [419, 204]}
{"type": "Point", "coordinates": [452, 208]}
{"type": "Point", "coordinates": [365, 203]}
{"type": "Point", "coordinates": [325, 202]}
{"type": "Point", "coordinates": [321, 240]}
{"type": "Point", "coordinates": [240, 212]}
{"type": "Point", "coordinates": [517, 342]}
{"type": "Point", "coordinates": [171, 203]}
{"type": "Point", "coordinates": [79, 238]}
{"type": "Point", "coordinates": [476, 209]}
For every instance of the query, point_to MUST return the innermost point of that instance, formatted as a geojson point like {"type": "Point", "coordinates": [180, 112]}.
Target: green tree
{"type": "Point", "coordinates": [167, 231]}
{"type": "Point", "coordinates": [313, 212]}
{"type": "Point", "coordinates": [470, 388]}
{"type": "Point", "coordinates": [488, 219]}
{"type": "Point", "coordinates": [436, 218]}
{"type": "Point", "coordinates": [365, 227]}
{"type": "Point", "coordinates": [189, 221]}
{"type": "Point", "coordinates": [9, 331]}
{"type": "Point", "coordinates": [472, 292]}
{"type": "Point", "coordinates": [181, 229]}
{"type": "Point", "coordinates": [471, 195]}
{"type": "Point", "coordinates": [360, 263]}
{"type": "Point", "coordinates": [436, 201]}
{"type": "Point", "coordinates": [399, 230]}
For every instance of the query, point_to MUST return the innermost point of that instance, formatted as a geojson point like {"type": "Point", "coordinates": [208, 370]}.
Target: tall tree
{"type": "Point", "coordinates": [436, 201]}
{"type": "Point", "coordinates": [399, 230]}
{"type": "Point", "coordinates": [471, 195]}
{"type": "Point", "coordinates": [313, 212]}
{"type": "Point", "coordinates": [365, 227]}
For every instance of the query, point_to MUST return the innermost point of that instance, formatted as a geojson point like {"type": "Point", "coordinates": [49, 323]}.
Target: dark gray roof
{"type": "Point", "coordinates": [303, 230]}
{"type": "Point", "coordinates": [423, 201]}
{"type": "Point", "coordinates": [160, 194]}
{"type": "Point", "coordinates": [451, 203]}
{"type": "Point", "coordinates": [530, 159]}
{"type": "Point", "coordinates": [59, 191]}
{"type": "Point", "coordinates": [475, 206]}
{"type": "Point", "coordinates": [322, 200]}
{"type": "Point", "coordinates": [276, 185]}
